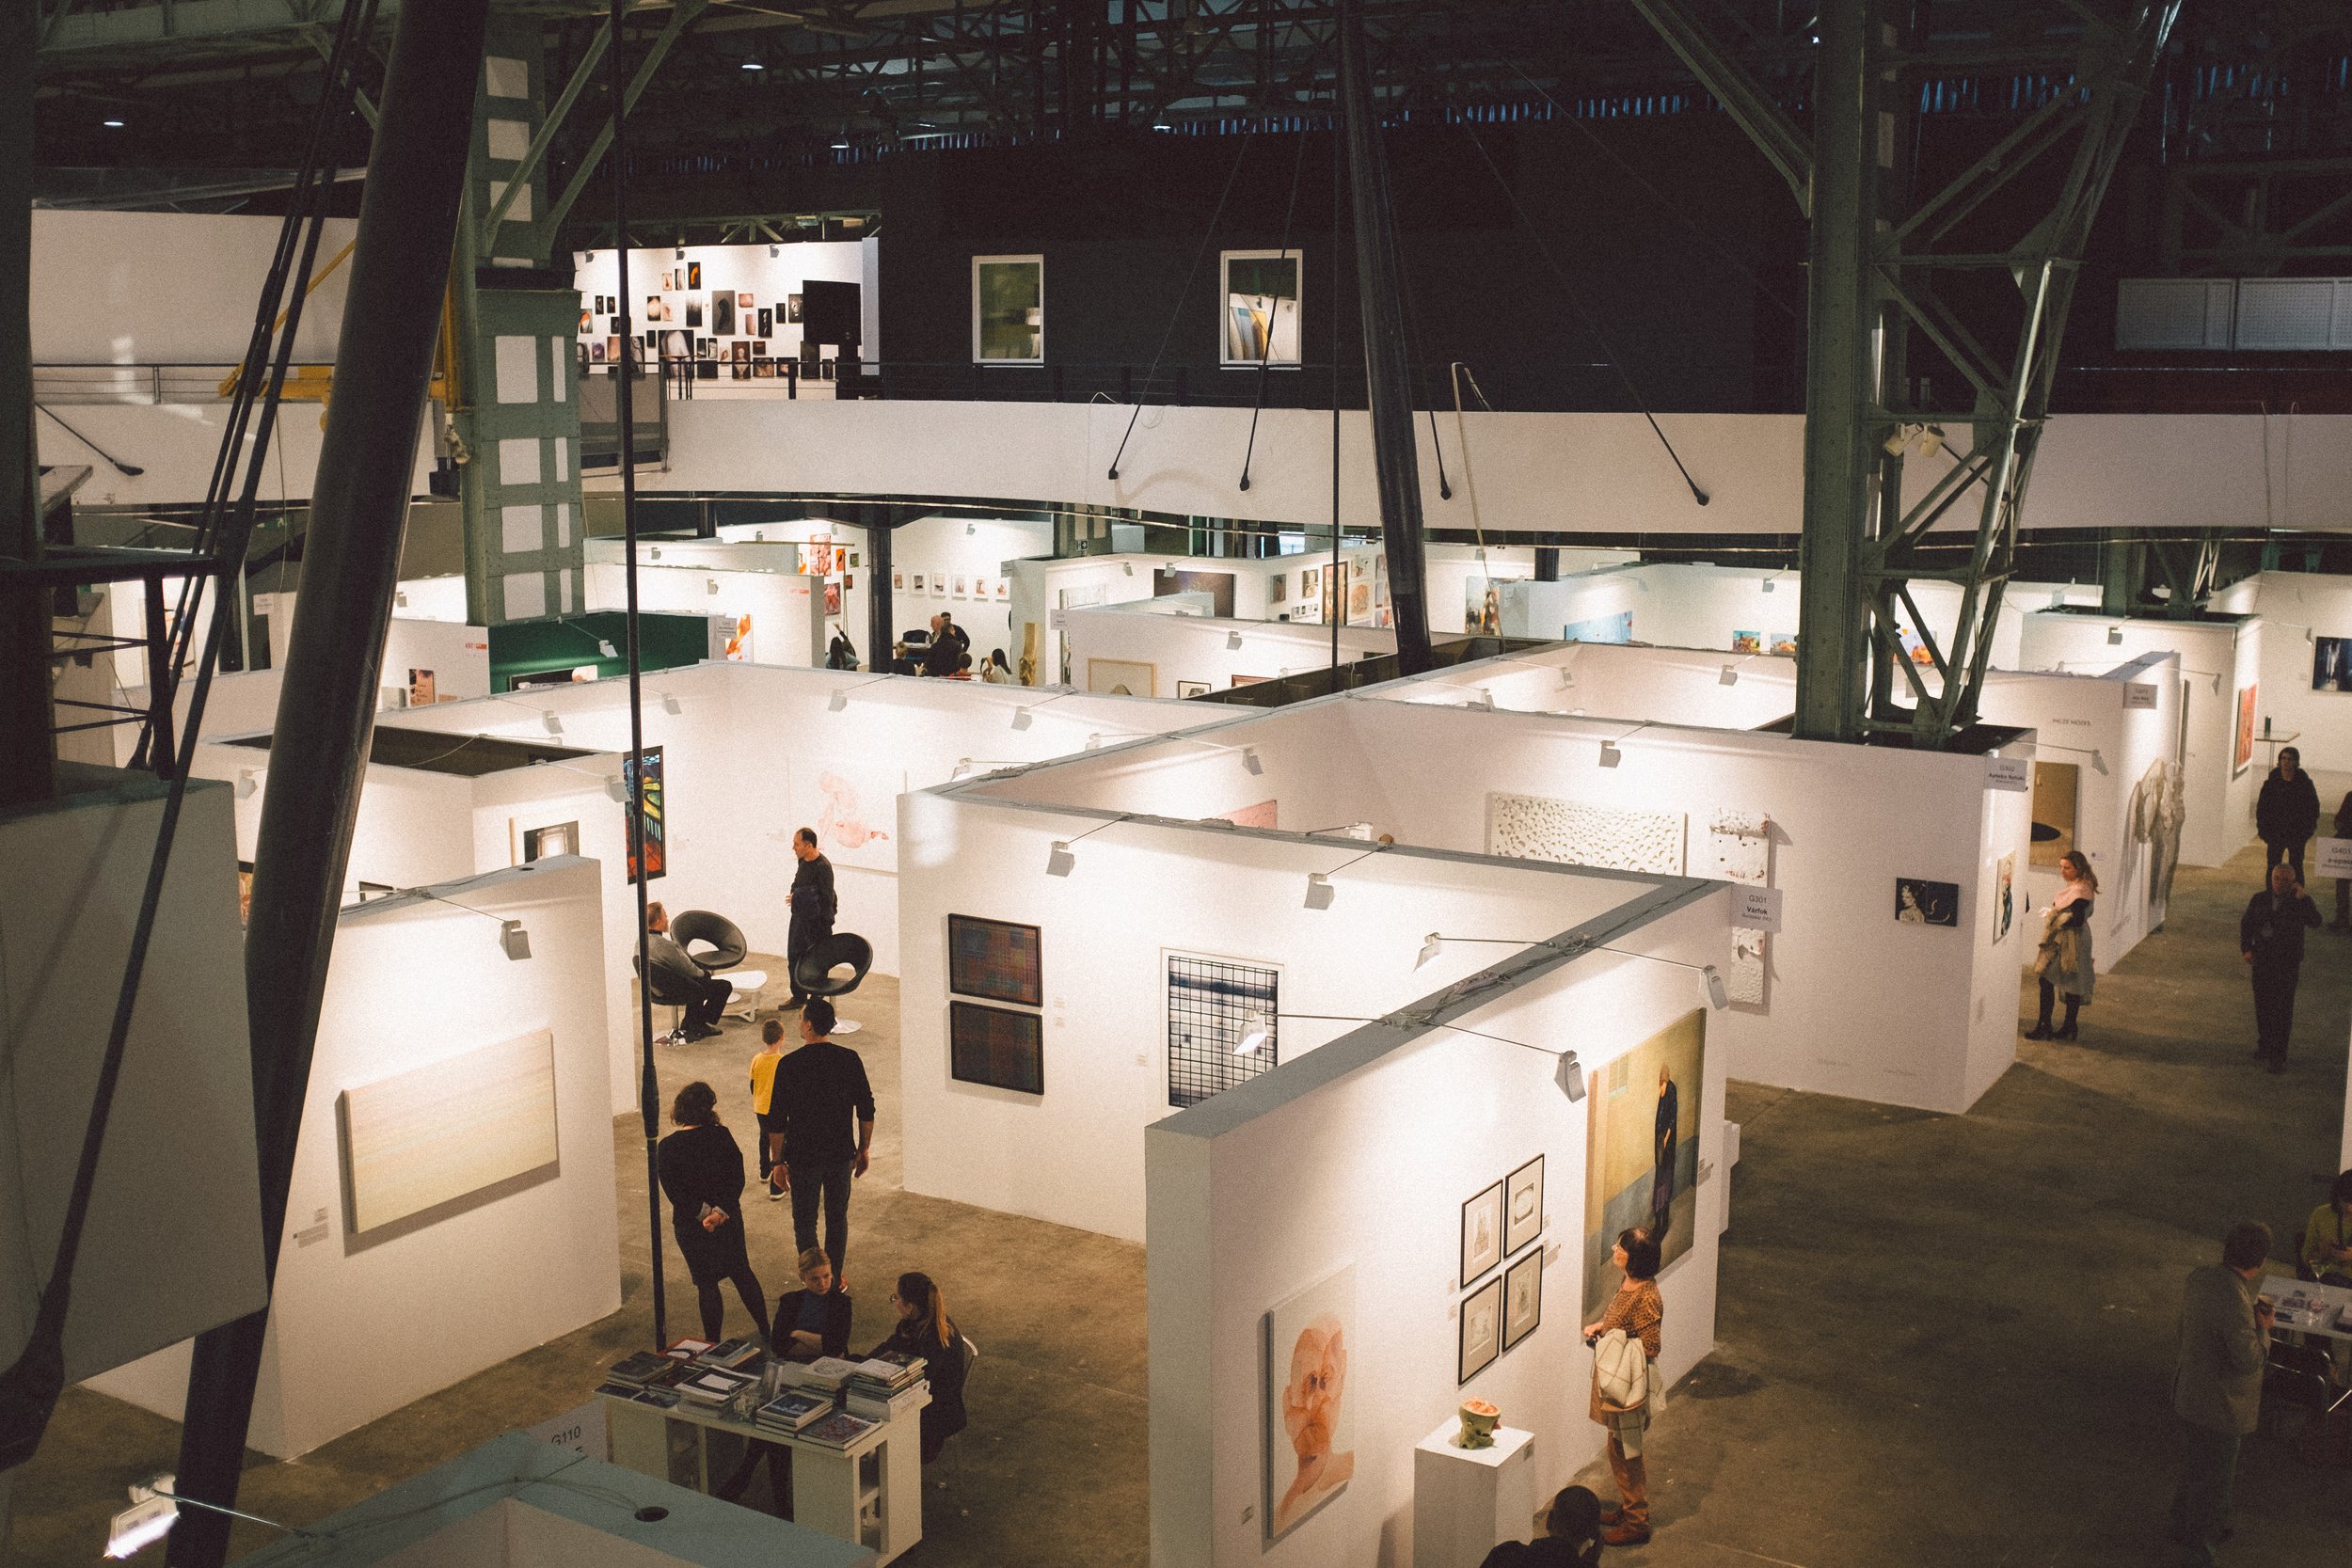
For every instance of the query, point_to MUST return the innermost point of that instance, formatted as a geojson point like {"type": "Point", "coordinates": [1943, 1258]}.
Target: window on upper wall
{"type": "Point", "coordinates": [1008, 310]}
{"type": "Point", "coordinates": [1259, 308]}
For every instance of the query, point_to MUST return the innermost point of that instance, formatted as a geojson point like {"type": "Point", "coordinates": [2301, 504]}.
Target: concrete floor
{"type": "Point", "coordinates": [1943, 1340]}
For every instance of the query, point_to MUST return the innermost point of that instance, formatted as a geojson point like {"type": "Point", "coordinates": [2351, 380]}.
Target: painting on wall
{"type": "Point", "coordinates": [1358, 600]}
{"type": "Point", "coordinates": [694, 274]}
{"type": "Point", "coordinates": [1747, 641]}
{"type": "Point", "coordinates": [1522, 1299]}
{"type": "Point", "coordinates": [2056, 786]}
{"type": "Point", "coordinates": [1782, 643]}
{"type": "Point", "coordinates": [1278, 587]}
{"type": "Point", "coordinates": [693, 311]}
{"type": "Point", "coordinates": [1216, 1006]}
{"type": "Point", "coordinates": [997, 1046]}
{"type": "Point", "coordinates": [1600, 628]}
{"type": "Point", "coordinates": [2332, 664]}
{"type": "Point", "coordinates": [1482, 1233]}
{"type": "Point", "coordinates": [2004, 896]}
{"type": "Point", "coordinates": [1482, 1331]}
{"type": "Point", "coordinates": [994, 959]}
{"type": "Point", "coordinates": [1523, 1217]}
{"type": "Point", "coordinates": [648, 790]}
{"type": "Point", "coordinates": [1642, 1150]}
{"type": "Point", "coordinates": [854, 807]}
{"type": "Point", "coordinates": [767, 320]}
{"type": "Point", "coordinates": [1191, 688]}
{"type": "Point", "coordinates": [559, 839]}
{"type": "Point", "coordinates": [422, 689]}
{"type": "Point", "coordinates": [406, 1157]}
{"type": "Point", "coordinates": [1534, 827]}
{"type": "Point", "coordinates": [1121, 677]}
{"type": "Point", "coordinates": [1482, 607]}
{"type": "Point", "coordinates": [1739, 849]}
{"type": "Point", "coordinates": [2158, 810]}
{"type": "Point", "coordinates": [2242, 756]}
{"type": "Point", "coordinates": [737, 646]}
{"type": "Point", "coordinates": [723, 314]}
{"type": "Point", "coordinates": [791, 308]}
{"type": "Point", "coordinates": [1921, 902]}
{"type": "Point", "coordinates": [1310, 1413]}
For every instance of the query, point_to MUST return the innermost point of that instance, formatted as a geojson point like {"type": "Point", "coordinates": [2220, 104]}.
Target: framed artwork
{"type": "Point", "coordinates": [833, 595]}
{"type": "Point", "coordinates": [791, 308]}
{"type": "Point", "coordinates": [1523, 1212]}
{"type": "Point", "coordinates": [694, 274]}
{"type": "Point", "coordinates": [960, 589]}
{"type": "Point", "coordinates": [1358, 600]}
{"type": "Point", "coordinates": [1008, 310]}
{"type": "Point", "coordinates": [1215, 1006]}
{"type": "Point", "coordinates": [1604, 628]}
{"type": "Point", "coordinates": [1747, 641]}
{"type": "Point", "coordinates": [1004, 590]}
{"type": "Point", "coordinates": [596, 350]}
{"type": "Point", "coordinates": [706, 348]}
{"type": "Point", "coordinates": [1642, 1150]}
{"type": "Point", "coordinates": [994, 959]}
{"type": "Point", "coordinates": [2242, 756]}
{"type": "Point", "coordinates": [1482, 1331]}
{"type": "Point", "coordinates": [655, 310]}
{"type": "Point", "coordinates": [693, 311]}
{"type": "Point", "coordinates": [765, 320]}
{"type": "Point", "coordinates": [2057, 786]}
{"type": "Point", "coordinates": [742, 350]}
{"type": "Point", "coordinates": [587, 323]}
{"type": "Point", "coordinates": [1121, 677]}
{"type": "Point", "coordinates": [1192, 689]}
{"type": "Point", "coordinates": [1920, 902]}
{"type": "Point", "coordinates": [1278, 587]}
{"type": "Point", "coordinates": [760, 349]}
{"type": "Point", "coordinates": [422, 689]}
{"type": "Point", "coordinates": [406, 1157]}
{"type": "Point", "coordinates": [997, 1046]}
{"type": "Point", "coordinates": [764, 370]}
{"type": "Point", "coordinates": [1538, 828]}
{"type": "Point", "coordinates": [1310, 1407]}
{"type": "Point", "coordinates": [650, 789]}
{"type": "Point", "coordinates": [2004, 896]}
{"type": "Point", "coordinates": [742, 301]}
{"type": "Point", "coordinates": [898, 582]}
{"type": "Point", "coordinates": [1482, 1233]}
{"type": "Point", "coordinates": [2332, 664]}
{"type": "Point", "coordinates": [723, 314]}
{"type": "Point", "coordinates": [1522, 1298]}
{"type": "Point", "coordinates": [1783, 644]}
{"type": "Point", "coordinates": [1261, 319]}
{"type": "Point", "coordinates": [1265, 814]}
{"type": "Point", "coordinates": [244, 893]}
{"type": "Point", "coordinates": [612, 347]}
{"type": "Point", "coordinates": [561, 838]}
{"type": "Point", "coordinates": [914, 582]}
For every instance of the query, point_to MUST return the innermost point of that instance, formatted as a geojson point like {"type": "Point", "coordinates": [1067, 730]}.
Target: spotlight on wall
{"type": "Point", "coordinates": [1769, 585]}
{"type": "Point", "coordinates": [839, 700]}
{"type": "Point", "coordinates": [1569, 1075]}
{"type": "Point", "coordinates": [754, 65]}
{"type": "Point", "coordinates": [514, 939]}
{"type": "Point", "coordinates": [971, 529]}
{"type": "Point", "coordinates": [1319, 891]}
{"type": "Point", "coordinates": [553, 723]}
{"type": "Point", "coordinates": [2098, 762]}
{"type": "Point", "coordinates": [1233, 641]}
{"type": "Point", "coordinates": [1481, 699]}
{"type": "Point", "coordinates": [2115, 636]}
{"type": "Point", "coordinates": [1127, 567]}
{"type": "Point", "coordinates": [1094, 744]}
{"type": "Point", "coordinates": [249, 779]}
{"type": "Point", "coordinates": [1729, 677]}
{"type": "Point", "coordinates": [678, 255]}
{"type": "Point", "coordinates": [1059, 861]}
{"type": "Point", "coordinates": [710, 585]}
{"type": "Point", "coordinates": [1250, 761]}
{"type": "Point", "coordinates": [1022, 718]}
{"type": "Point", "coordinates": [671, 705]}
{"type": "Point", "coordinates": [1718, 995]}
{"type": "Point", "coordinates": [399, 600]}
{"type": "Point", "coordinates": [1430, 949]}
{"type": "Point", "coordinates": [1610, 755]}
{"type": "Point", "coordinates": [604, 646]}
{"type": "Point", "coordinates": [1256, 1036]}
{"type": "Point", "coordinates": [616, 791]}
{"type": "Point", "coordinates": [1568, 676]}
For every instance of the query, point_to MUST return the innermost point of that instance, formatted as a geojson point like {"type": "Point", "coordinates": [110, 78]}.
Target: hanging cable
{"type": "Point", "coordinates": [1177, 314]}
{"type": "Point", "coordinates": [1266, 356]}
{"type": "Point", "coordinates": [1591, 325]}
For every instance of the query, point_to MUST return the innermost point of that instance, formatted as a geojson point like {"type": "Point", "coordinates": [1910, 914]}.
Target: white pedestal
{"type": "Point", "coordinates": [1465, 1500]}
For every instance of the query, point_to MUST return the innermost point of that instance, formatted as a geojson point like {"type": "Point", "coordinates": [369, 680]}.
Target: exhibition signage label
{"type": "Point", "coordinates": [2014, 773]}
{"type": "Point", "coordinates": [1756, 908]}
{"type": "Point", "coordinates": [2334, 858]}
{"type": "Point", "coordinates": [2140, 694]}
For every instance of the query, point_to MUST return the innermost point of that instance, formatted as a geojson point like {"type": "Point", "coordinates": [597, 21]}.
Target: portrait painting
{"type": "Point", "coordinates": [1481, 1331]}
{"type": "Point", "coordinates": [1309, 1416]}
{"type": "Point", "coordinates": [1522, 1298]}
{"type": "Point", "coordinates": [1642, 1150]}
{"type": "Point", "coordinates": [1921, 902]}
{"type": "Point", "coordinates": [791, 308]}
{"type": "Point", "coordinates": [1482, 1233]}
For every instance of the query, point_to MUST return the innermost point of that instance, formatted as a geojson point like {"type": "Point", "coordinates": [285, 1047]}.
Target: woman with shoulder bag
{"type": "Point", "coordinates": [1626, 1341]}
{"type": "Point", "coordinates": [2064, 964]}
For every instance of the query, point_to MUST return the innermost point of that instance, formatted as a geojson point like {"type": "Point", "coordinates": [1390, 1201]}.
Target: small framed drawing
{"type": "Point", "coordinates": [1482, 1233]}
{"type": "Point", "coordinates": [1482, 1330]}
{"type": "Point", "coordinates": [1192, 689]}
{"type": "Point", "coordinates": [1522, 1298]}
{"type": "Point", "coordinates": [1524, 1217]}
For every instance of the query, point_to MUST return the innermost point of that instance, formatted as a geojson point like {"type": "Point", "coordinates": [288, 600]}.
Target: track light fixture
{"type": "Point", "coordinates": [1319, 891]}
{"type": "Point", "coordinates": [1250, 761]}
{"type": "Point", "coordinates": [514, 939]}
{"type": "Point", "coordinates": [671, 705]}
{"type": "Point", "coordinates": [553, 723]}
{"type": "Point", "coordinates": [248, 781]}
{"type": "Point", "coordinates": [1569, 1075]}
{"type": "Point", "coordinates": [1610, 755]}
{"type": "Point", "coordinates": [1233, 641]}
{"type": "Point", "coordinates": [1060, 860]}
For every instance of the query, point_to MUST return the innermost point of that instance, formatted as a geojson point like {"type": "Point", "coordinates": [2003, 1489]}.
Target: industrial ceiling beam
{"type": "Point", "coordinates": [681, 17]}
{"type": "Point", "coordinates": [1742, 96]}
{"type": "Point", "coordinates": [535, 154]}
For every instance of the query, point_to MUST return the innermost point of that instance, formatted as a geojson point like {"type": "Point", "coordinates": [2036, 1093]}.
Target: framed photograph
{"type": "Point", "coordinates": [1642, 1150]}
{"type": "Point", "coordinates": [1216, 1006]}
{"type": "Point", "coordinates": [693, 311]}
{"type": "Point", "coordinates": [994, 959]}
{"type": "Point", "coordinates": [1523, 1219]}
{"type": "Point", "coordinates": [2004, 896]}
{"type": "Point", "coordinates": [1522, 1298]}
{"type": "Point", "coordinates": [694, 274]}
{"type": "Point", "coordinates": [997, 1046]}
{"type": "Point", "coordinates": [656, 309]}
{"type": "Point", "coordinates": [1261, 317]}
{"type": "Point", "coordinates": [1121, 677]}
{"type": "Point", "coordinates": [2332, 664]}
{"type": "Point", "coordinates": [1008, 310]}
{"type": "Point", "coordinates": [791, 308]}
{"type": "Point", "coordinates": [723, 314]}
{"type": "Point", "coordinates": [1482, 1233]}
{"type": "Point", "coordinates": [767, 320]}
{"type": "Point", "coordinates": [1482, 1330]}
{"type": "Point", "coordinates": [1309, 1405]}
{"type": "Point", "coordinates": [1920, 902]}
{"type": "Point", "coordinates": [760, 349]}
{"type": "Point", "coordinates": [742, 350]}
{"type": "Point", "coordinates": [561, 838]}
{"type": "Point", "coordinates": [1192, 689]}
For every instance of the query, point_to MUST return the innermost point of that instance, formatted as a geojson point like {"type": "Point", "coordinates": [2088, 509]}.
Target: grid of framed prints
{"type": "Point", "coordinates": [1501, 1221]}
{"type": "Point", "coordinates": [1001, 1047]}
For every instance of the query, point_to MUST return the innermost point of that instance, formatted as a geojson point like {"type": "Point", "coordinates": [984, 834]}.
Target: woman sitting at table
{"type": "Point", "coordinates": [926, 1330]}
{"type": "Point", "coordinates": [813, 1320]}
{"type": "Point", "coordinates": [2328, 1236]}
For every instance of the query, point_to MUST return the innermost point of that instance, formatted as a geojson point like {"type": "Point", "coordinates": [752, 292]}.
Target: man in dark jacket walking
{"type": "Point", "coordinates": [813, 905]}
{"type": "Point", "coordinates": [2270, 937]}
{"type": "Point", "coordinates": [2218, 1384]}
{"type": "Point", "coordinates": [2286, 814]}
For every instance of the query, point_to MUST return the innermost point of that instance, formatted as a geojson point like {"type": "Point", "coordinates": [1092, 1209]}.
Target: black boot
{"type": "Point", "coordinates": [2066, 1030]}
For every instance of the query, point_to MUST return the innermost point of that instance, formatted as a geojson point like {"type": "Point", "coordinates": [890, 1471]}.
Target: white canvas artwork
{"type": "Point", "coordinates": [1739, 849]}
{"type": "Point", "coordinates": [445, 1131]}
{"type": "Point", "coordinates": [1532, 826]}
{"type": "Point", "coordinates": [853, 806]}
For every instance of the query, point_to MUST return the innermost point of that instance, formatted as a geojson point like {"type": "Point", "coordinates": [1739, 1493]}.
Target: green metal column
{"type": "Point", "coordinates": [515, 409]}
{"type": "Point", "coordinates": [27, 747]}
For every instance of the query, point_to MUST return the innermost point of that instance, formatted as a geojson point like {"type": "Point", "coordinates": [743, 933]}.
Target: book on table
{"type": "Point", "coordinates": [792, 1410]}
{"type": "Point", "coordinates": [826, 1372]}
{"type": "Point", "coordinates": [639, 1369]}
{"type": "Point", "coordinates": [715, 1385]}
{"type": "Point", "coordinates": [732, 1353]}
{"type": "Point", "coordinates": [839, 1429]}
{"type": "Point", "coordinates": [686, 1350]}
{"type": "Point", "coordinates": [666, 1399]}
{"type": "Point", "coordinates": [879, 1407]}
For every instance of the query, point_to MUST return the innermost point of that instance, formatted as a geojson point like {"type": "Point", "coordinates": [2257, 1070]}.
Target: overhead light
{"type": "Point", "coordinates": [710, 585]}
{"type": "Point", "coordinates": [249, 779]}
{"type": "Point", "coordinates": [1059, 861]}
{"type": "Point", "coordinates": [671, 705]}
{"type": "Point", "coordinates": [1022, 718]}
{"type": "Point", "coordinates": [604, 646]}
{"type": "Point", "coordinates": [549, 718]}
{"type": "Point", "coordinates": [1568, 676]}
{"type": "Point", "coordinates": [1319, 891]}
{"type": "Point", "coordinates": [678, 255]}
{"type": "Point", "coordinates": [1256, 1037]}
{"type": "Point", "coordinates": [514, 939]}
{"type": "Point", "coordinates": [141, 1525]}
{"type": "Point", "coordinates": [839, 700]}
{"type": "Point", "coordinates": [1718, 995]}
{"type": "Point", "coordinates": [113, 125]}
{"type": "Point", "coordinates": [773, 251]}
{"type": "Point", "coordinates": [1250, 761]}
{"type": "Point", "coordinates": [1232, 640]}
{"type": "Point", "coordinates": [1569, 1075]}
{"type": "Point", "coordinates": [971, 529]}
{"type": "Point", "coordinates": [1729, 677]}
{"type": "Point", "coordinates": [1610, 755]}
{"type": "Point", "coordinates": [1430, 949]}
{"type": "Point", "coordinates": [754, 65]}
{"type": "Point", "coordinates": [2115, 635]}
{"type": "Point", "coordinates": [400, 599]}
{"type": "Point", "coordinates": [1769, 585]}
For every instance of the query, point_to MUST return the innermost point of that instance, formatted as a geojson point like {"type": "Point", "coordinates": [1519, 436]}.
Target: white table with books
{"type": "Point", "coordinates": [853, 1429]}
{"type": "Point", "coordinates": [2309, 1308]}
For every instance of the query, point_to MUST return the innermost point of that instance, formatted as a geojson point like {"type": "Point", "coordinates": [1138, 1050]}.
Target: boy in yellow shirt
{"type": "Point", "coordinates": [763, 1089]}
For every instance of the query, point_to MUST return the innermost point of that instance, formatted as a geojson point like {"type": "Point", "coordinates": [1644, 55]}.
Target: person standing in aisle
{"type": "Point", "coordinates": [2063, 964]}
{"type": "Point", "coordinates": [2271, 938]}
{"type": "Point", "coordinates": [763, 1093]}
{"type": "Point", "coordinates": [2344, 884]}
{"type": "Point", "coordinates": [1637, 1309]}
{"type": "Point", "coordinates": [2218, 1384]}
{"type": "Point", "coordinates": [821, 1090]}
{"type": "Point", "coordinates": [813, 904]}
{"type": "Point", "coordinates": [702, 1175]}
{"type": "Point", "coordinates": [2286, 814]}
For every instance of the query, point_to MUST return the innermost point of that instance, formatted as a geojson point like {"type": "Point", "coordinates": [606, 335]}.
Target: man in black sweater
{"type": "Point", "coordinates": [813, 903]}
{"type": "Point", "coordinates": [2286, 814]}
{"type": "Point", "coordinates": [2270, 937]}
{"type": "Point", "coordinates": [819, 1089]}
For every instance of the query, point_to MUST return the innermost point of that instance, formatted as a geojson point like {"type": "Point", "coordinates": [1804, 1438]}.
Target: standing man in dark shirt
{"type": "Point", "coordinates": [813, 904]}
{"type": "Point", "coordinates": [819, 1089]}
{"type": "Point", "coordinates": [2286, 814]}
{"type": "Point", "coordinates": [2271, 936]}
{"type": "Point", "coordinates": [1664, 1136]}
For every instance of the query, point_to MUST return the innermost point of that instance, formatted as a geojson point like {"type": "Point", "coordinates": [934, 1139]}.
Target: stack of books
{"type": "Point", "coordinates": [686, 1350]}
{"type": "Point", "coordinates": [829, 1373]}
{"type": "Point", "coordinates": [883, 1387]}
{"type": "Point", "coordinates": [839, 1429]}
{"type": "Point", "coordinates": [711, 1387]}
{"type": "Point", "coordinates": [792, 1410]}
{"type": "Point", "coordinates": [634, 1371]}
{"type": "Point", "coordinates": [734, 1354]}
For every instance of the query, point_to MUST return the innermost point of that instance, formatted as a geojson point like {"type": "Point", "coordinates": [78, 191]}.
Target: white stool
{"type": "Point", "coordinates": [748, 984]}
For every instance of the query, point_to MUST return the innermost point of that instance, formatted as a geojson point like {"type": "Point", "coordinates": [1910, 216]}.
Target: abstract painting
{"type": "Point", "coordinates": [1523, 1218]}
{"type": "Point", "coordinates": [647, 789]}
{"type": "Point", "coordinates": [2242, 755]}
{"type": "Point", "coordinates": [1921, 902]}
{"type": "Point", "coordinates": [1482, 1331]}
{"type": "Point", "coordinates": [791, 308]}
{"type": "Point", "coordinates": [1532, 826]}
{"type": "Point", "coordinates": [1215, 1006]}
{"type": "Point", "coordinates": [1522, 1298]}
{"type": "Point", "coordinates": [429, 1136]}
{"type": "Point", "coordinates": [1600, 628]}
{"type": "Point", "coordinates": [1310, 1415]}
{"type": "Point", "coordinates": [2056, 788]}
{"type": "Point", "coordinates": [997, 1046]}
{"type": "Point", "coordinates": [1642, 1150]}
{"type": "Point", "coordinates": [2332, 664]}
{"type": "Point", "coordinates": [994, 959]}
{"type": "Point", "coordinates": [1482, 1233]}
{"type": "Point", "coordinates": [694, 274]}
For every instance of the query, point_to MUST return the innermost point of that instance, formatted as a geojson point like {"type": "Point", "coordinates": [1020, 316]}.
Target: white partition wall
{"type": "Point", "coordinates": [1354, 1164]}
{"type": "Point", "coordinates": [1180, 655]}
{"type": "Point", "coordinates": [2220, 668]}
{"type": "Point", "coordinates": [364, 1321]}
{"type": "Point", "coordinates": [1609, 680]}
{"type": "Point", "coordinates": [2306, 681]}
{"type": "Point", "coordinates": [760, 591]}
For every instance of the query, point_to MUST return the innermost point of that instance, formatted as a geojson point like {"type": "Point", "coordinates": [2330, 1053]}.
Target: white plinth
{"type": "Point", "coordinates": [1465, 1500]}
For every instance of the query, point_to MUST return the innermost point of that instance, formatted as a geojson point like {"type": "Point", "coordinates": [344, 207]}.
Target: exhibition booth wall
{"type": "Point", "coordinates": [2222, 752]}
{"type": "Point", "coordinates": [772, 275]}
{"type": "Point", "coordinates": [441, 598]}
{"type": "Point", "coordinates": [2306, 663]}
{"type": "Point", "coordinates": [1182, 655]}
{"type": "Point", "coordinates": [761, 607]}
{"type": "Point", "coordinates": [1615, 680]}
{"type": "Point", "coordinates": [1158, 953]}
{"type": "Point", "coordinates": [1340, 1188]}
{"type": "Point", "coordinates": [451, 1199]}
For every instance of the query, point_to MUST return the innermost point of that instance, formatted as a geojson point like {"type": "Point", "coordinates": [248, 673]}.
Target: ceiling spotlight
{"type": "Point", "coordinates": [2115, 636]}
{"type": "Point", "coordinates": [1767, 585]}
{"type": "Point", "coordinates": [1610, 755]}
{"type": "Point", "coordinates": [971, 529]}
{"type": "Point", "coordinates": [1256, 1037]}
{"type": "Point", "coordinates": [604, 646]}
{"type": "Point", "coordinates": [671, 705]}
{"type": "Point", "coordinates": [514, 939]}
{"type": "Point", "coordinates": [1569, 1075]}
{"type": "Point", "coordinates": [400, 599]}
{"type": "Point", "coordinates": [1319, 891]}
{"type": "Point", "coordinates": [1022, 718]}
{"type": "Point", "coordinates": [1718, 995]}
{"type": "Point", "coordinates": [249, 779]}
{"type": "Point", "coordinates": [710, 585]}
{"type": "Point", "coordinates": [1127, 567]}
{"type": "Point", "coordinates": [839, 700]}
{"type": "Point", "coordinates": [1249, 760]}
{"type": "Point", "coordinates": [1232, 640]}
{"type": "Point", "coordinates": [656, 552]}
{"type": "Point", "coordinates": [679, 254]}
{"type": "Point", "coordinates": [1729, 677]}
{"type": "Point", "coordinates": [554, 725]}
{"type": "Point", "coordinates": [1430, 949]}
{"type": "Point", "coordinates": [111, 124]}
{"type": "Point", "coordinates": [754, 65]}
{"type": "Point", "coordinates": [1059, 861]}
